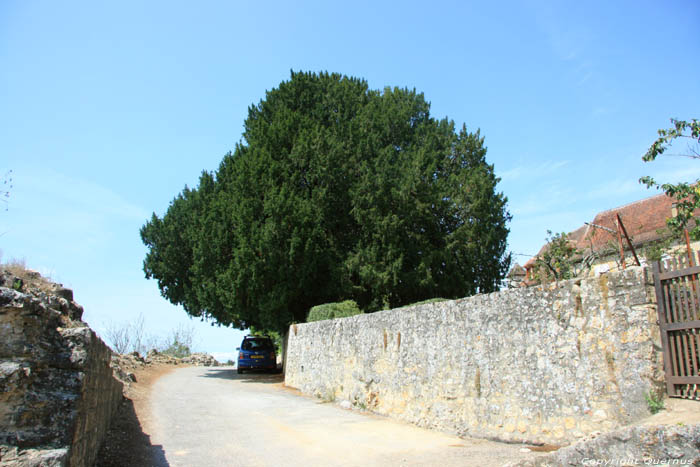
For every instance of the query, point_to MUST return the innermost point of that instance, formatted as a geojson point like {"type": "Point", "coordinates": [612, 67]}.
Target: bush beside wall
{"type": "Point", "coordinates": [333, 310]}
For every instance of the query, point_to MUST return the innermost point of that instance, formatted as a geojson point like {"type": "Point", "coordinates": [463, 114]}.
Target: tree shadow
{"type": "Point", "coordinates": [126, 443]}
{"type": "Point", "coordinates": [250, 376]}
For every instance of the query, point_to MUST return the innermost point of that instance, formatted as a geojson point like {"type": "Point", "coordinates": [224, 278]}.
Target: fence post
{"type": "Point", "coordinates": [661, 312]}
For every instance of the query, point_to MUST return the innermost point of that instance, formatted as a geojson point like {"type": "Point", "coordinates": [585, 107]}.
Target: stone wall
{"type": "Point", "coordinates": [57, 392]}
{"type": "Point", "coordinates": [540, 364]}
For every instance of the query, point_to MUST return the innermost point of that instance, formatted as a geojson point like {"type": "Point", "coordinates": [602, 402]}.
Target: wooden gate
{"type": "Point", "coordinates": [678, 305]}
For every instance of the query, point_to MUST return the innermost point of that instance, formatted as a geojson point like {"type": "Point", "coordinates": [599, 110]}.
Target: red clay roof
{"type": "Point", "coordinates": [642, 220]}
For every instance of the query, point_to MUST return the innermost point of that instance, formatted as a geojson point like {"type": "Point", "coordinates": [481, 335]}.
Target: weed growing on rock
{"type": "Point", "coordinates": [655, 401]}
{"type": "Point", "coordinates": [22, 279]}
{"type": "Point", "coordinates": [360, 405]}
{"type": "Point", "coordinates": [329, 396]}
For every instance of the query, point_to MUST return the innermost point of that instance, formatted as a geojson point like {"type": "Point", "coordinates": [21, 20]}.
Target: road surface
{"type": "Point", "coordinates": [211, 416]}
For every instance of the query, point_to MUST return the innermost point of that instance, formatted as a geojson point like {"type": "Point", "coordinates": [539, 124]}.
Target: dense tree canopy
{"type": "Point", "coordinates": [336, 192]}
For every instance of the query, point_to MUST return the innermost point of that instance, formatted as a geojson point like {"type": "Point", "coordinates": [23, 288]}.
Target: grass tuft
{"type": "Point", "coordinates": [655, 401]}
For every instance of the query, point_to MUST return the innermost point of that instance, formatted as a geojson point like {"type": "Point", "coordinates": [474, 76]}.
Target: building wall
{"type": "Point", "coordinates": [542, 364]}
{"type": "Point", "coordinates": [612, 262]}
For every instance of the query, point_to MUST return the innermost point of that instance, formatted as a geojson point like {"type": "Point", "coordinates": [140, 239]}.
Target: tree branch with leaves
{"type": "Point", "coordinates": [686, 194]}
{"type": "Point", "coordinates": [557, 259]}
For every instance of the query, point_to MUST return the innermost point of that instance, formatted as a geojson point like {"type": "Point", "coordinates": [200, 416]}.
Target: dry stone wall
{"type": "Point", "coordinates": [57, 392]}
{"type": "Point", "coordinates": [540, 364]}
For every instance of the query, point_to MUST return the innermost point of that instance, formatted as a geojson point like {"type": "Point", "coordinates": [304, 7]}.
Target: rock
{"type": "Point", "coordinates": [643, 445]}
{"type": "Point", "coordinates": [65, 293]}
{"type": "Point", "coordinates": [160, 358]}
{"type": "Point", "coordinates": [200, 359]}
{"type": "Point", "coordinates": [11, 456]}
{"type": "Point", "coordinates": [32, 274]}
{"type": "Point", "coordinates": [10, 296]}
{"type": "Point", "coordinates": [125, 365]}
{"type": "Point", "coordinates": [137, 356]}
{"type": "Point", "coordinates": [57, 390]}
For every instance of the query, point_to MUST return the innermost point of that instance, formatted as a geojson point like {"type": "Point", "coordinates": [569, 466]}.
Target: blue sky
{"type": "Point", "coordinates": [108, 109]}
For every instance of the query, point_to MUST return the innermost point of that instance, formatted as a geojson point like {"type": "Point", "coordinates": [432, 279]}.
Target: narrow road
{"type": "Point", "coordinates": [209, 417]}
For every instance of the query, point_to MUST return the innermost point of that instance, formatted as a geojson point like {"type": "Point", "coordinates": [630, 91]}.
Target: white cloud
{"type": "Point", "coordinates": [528, 232]}
{"type": "Point", "coordinates": [618, 188]}
{"type": "Point", "coordinates": [532, 172]}
{"type": "Point", "coordinates": [584, 78]}
{"type": "Point", "coordinates": [549, 198]}
{"type": "Point", "coordinates": [57, 220]}
{"type": "Point", "coordinates": [685, 174]}
{"type": "Point", "coordinates": [512, 174]}
{"type": "Point", "coordinates": [602, 110]}
{"type": "Point", "coordinates": [75, 194]}
{"type": "Point", "coordinates": [569, 41]}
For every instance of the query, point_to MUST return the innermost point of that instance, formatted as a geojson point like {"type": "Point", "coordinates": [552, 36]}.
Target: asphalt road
{"type": "Point", "coordinates": [201, 416]}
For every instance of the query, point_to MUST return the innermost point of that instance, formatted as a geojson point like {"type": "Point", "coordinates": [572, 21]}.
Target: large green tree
{"type": "Point", "coordinates": [335, 192]}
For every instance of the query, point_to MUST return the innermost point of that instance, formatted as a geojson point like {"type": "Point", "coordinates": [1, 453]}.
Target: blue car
{"type": "Point", "coordinates": [256, 353]}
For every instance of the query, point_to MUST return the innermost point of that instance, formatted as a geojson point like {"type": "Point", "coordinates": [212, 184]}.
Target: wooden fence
{"type": "Point", "coordinates": [678, 299]}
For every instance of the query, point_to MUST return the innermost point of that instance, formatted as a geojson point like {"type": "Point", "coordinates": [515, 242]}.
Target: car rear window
{"type": "Point", "coordinates": [257, 344]}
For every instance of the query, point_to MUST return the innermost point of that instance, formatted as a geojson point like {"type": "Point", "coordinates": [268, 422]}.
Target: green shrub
{"type": "Point", "coordinates": [655, 401]}
{"type": "Point", "coordinates": [333, 310]}
{"type": "Point", "coordinates": [178, 350]}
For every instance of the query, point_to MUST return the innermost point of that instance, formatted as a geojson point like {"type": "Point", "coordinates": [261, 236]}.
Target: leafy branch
{"type": "Point", "coordinates": [557, 259]}
{"type": "Point", "coordinates": [680, 129]}
{"type": "Point", "coordinates": [686, 194]}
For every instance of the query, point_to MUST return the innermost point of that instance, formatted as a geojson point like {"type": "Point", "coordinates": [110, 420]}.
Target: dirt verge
{"type": "Point", "coordinates": [127, 441]}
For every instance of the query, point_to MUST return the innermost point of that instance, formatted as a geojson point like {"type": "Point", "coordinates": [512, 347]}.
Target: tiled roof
{"type": "Point", "coordinates": [516, 271]}
{"type": "Point", "coordinates": [642, 220]}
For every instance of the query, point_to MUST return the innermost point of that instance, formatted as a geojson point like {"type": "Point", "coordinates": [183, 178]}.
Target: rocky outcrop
{"type": "Point", "coordinates": [57, 392]}
{"type": "Point", "coordinates": [200, 359]}
{"type": "Point", "coordinates": [125, 366]}
{"type": "Point", "coordinates": [638, 445]}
